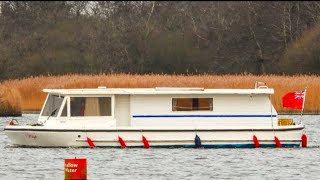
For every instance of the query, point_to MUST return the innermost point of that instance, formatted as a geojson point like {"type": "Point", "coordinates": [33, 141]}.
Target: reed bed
{"type": "Point", "coordinates": [32, 96]}
{"type": "Point", "coordinates": [10, 101]}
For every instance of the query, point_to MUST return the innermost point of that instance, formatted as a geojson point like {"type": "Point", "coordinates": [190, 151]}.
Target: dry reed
{"type": "Point", "coordinates": [32, 96]}
{"type": "Point", "coordinates": [10, 101]}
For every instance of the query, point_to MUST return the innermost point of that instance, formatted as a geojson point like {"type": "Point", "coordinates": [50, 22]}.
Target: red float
{"type": "Point", "coordinates": [304, 140]}
{"type": "Point", "coordinates": [13, 122]}
{"type": "Point", "coordinates": [91, 144]}
{"type": "Point", "coordinates": [256, 141]}
{"type": "Point", "coordinates": [145, 142]}
{"type": "Point", "coordinates": [122, 143]}
{"type": "Point", "coordinates": [278, 143]}
{"type": "Point", "coordinates": [75, 168]}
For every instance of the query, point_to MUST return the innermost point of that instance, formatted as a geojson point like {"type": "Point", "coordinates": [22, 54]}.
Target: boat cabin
{"type": "Point", "coordinates": [159, 107]}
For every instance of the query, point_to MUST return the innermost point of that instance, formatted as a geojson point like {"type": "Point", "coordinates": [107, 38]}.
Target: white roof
{"type": "Point", "coordinates": [160, 90]}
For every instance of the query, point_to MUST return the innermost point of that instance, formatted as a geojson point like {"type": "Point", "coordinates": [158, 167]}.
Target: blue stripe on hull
{"type": "Point", "coordinates": [180, 146]}
{"type": "Point", "coordinates": [213, 146]}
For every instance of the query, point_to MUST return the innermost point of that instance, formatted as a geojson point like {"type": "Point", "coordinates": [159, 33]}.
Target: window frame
{"type": "Point", "coordinates": [191, 99]}
{"type": "Point", "coordinates": [45, 102]}
{"type": "Point", "coordinates": [88, 96]}
{"type": "Point", "coordinates": [64, 102]}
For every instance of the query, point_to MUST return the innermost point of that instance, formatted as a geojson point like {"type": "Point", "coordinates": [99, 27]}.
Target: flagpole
{"type": "Point", "coordinates": [304, 99]}
{"type": "Point", "coordinates": [271, 111]}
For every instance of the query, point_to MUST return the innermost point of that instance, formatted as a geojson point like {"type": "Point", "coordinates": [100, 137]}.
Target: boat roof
{"type": "Point", "coordinates": [157, 90]}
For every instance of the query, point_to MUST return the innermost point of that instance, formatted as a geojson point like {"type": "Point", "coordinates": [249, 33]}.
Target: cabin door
{"type": "Point", "coordinates": [122, 110]}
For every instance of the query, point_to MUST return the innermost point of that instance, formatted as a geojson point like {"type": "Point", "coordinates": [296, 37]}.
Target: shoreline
{"type": "Point", "coordinates": [11, 114]}
{"type": "Point", "coordinates": [38, 112]}
{"type": "Point", "coordinates": [27, 95]}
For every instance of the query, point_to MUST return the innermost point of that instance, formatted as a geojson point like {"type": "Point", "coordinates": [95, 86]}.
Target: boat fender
{"type": "Point", "coordinates": [145, 142]}
{"type": "Point", "coordinates": [197, 141]}
{"type": "Point", "coordinates": [91, 144]}
{"type": "Point", "coordinates": [122, 143]}
{"type": "Point", "coordinates": [304, 140]}
{"type": "Point", "coordinates": [13, 122]}
{"type": "Point", "coordinates": [256, 141]}
{"type": "Point", "coordinates": [277, 141]}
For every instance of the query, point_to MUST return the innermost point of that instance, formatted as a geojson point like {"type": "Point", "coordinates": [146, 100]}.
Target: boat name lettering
{"type": "Point", "coordinates": [31, 135]}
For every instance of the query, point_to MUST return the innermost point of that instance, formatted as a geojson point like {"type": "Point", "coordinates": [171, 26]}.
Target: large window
{"type": "Point", "coordinates": [52, 105]}
{"type": "Point", "coordinates": [192, 104]}
{"type": "Point", "coordinates": [90, 106]}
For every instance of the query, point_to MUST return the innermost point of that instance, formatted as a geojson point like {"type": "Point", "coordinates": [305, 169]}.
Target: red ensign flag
{"type": "Point", "coordinates": [293, 100]}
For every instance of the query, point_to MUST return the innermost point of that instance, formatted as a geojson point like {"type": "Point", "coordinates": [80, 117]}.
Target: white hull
{"type": "Point", "coordinates": [35, 136]}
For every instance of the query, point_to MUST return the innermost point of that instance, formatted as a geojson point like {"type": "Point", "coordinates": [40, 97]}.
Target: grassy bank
{"type": "Point", "coordinates": [28, 92]}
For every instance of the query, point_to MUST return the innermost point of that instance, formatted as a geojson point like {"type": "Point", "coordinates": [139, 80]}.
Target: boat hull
{"type": "Point", "coordinates": [160, 138]}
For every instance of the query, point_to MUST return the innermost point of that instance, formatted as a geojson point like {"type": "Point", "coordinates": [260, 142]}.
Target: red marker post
{"type": "Point", "coordinates": [75, 168]}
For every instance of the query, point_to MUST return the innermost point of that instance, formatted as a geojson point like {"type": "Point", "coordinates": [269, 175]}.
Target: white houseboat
{"type": "Point", "coordinates": [158, 117]}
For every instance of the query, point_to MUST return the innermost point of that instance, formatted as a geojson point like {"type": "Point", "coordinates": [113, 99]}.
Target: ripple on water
{"type": "Point", "coordinates": [179, 163]}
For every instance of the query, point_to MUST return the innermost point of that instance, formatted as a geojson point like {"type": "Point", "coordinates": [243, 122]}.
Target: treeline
{"type": "Point", "coordinates": [158, 37]}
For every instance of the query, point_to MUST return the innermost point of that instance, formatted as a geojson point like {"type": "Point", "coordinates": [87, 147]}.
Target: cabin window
{"type": "Point", "coordinates": [90, 106]}
{"type": "Point", "coordinates": [192, 104]}
{"type": "Point", "coordinates": [52, 105]}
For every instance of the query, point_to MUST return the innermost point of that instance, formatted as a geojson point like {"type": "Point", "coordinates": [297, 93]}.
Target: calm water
{"type": "Point", "coordinates": [102, 163]}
